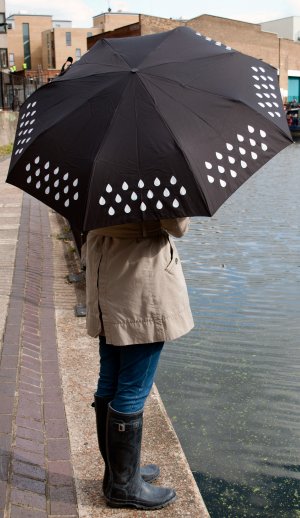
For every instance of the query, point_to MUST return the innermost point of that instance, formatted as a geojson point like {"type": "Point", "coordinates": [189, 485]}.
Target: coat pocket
{"type": "Point", "coordinates": [173, 256]}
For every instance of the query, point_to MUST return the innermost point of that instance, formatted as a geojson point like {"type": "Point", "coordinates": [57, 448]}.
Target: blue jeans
{"type": "Point", "coordinates": [127, 374]}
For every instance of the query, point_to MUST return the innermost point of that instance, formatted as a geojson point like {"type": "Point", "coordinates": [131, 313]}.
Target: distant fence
{"type": "Point", "coordinates": [16, 88]}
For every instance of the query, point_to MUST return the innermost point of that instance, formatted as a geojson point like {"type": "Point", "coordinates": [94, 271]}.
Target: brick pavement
{"type": "Point", "coordinates": [36, 474]}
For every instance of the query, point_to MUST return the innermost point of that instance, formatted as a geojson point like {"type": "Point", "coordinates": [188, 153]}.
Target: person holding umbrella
{"type": "Point", "coordinates": [136, 300]}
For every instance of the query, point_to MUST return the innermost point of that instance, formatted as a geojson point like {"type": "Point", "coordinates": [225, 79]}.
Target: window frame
{"type": "Point", "coordinates": [68, 38]}
{"type": "Point", "coordinates": [2, 63]}
{"type": "Point", "coordinates": [3, 28]}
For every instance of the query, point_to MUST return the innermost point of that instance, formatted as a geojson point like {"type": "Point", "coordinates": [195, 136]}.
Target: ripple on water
{"type": "Point", "coordinates": [232, 385]}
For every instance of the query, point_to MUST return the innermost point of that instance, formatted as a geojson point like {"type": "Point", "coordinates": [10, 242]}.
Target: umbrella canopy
{"type": "Point", "coordinates": [151, 127]}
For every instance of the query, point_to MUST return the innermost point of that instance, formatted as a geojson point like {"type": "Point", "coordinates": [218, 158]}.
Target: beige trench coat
{"type": "Point", "coordinates": [136, 291]}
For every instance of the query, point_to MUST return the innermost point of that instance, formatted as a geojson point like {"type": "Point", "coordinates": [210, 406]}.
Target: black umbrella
{"type": "Point", "coordinates": [143, 128]}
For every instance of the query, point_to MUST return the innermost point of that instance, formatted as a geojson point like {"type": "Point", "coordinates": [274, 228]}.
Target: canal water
{"type": "Point", "coordinates": [232, 386]}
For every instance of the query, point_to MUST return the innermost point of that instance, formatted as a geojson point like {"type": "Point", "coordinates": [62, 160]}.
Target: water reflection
{"type": "Point", "coordinates": [232, 386]}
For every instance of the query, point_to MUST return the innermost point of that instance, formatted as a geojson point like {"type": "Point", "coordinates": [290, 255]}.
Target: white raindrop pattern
{"type": "Point", "coordinates": [240, 153]}
{"type": "Point", "coordinates": [265, 91]}
{"type": "Point", "coordinates": [52, 181]}
{"type": "Point", "coordinates": [213, 42]}
{"type": "Point", "coordinates": [26, 127]}
{"type": "Point", "coordinates": [138, 196]}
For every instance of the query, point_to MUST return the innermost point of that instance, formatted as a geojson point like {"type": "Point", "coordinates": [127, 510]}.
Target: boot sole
{"type": "Point", "coordinates": [137, 505]}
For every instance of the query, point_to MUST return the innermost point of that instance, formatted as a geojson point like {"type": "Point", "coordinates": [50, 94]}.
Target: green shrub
{"type": "Point", "coordinates": [6, 150]}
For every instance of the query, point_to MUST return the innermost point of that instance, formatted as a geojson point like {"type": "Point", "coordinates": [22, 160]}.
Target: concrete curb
{"type": "Point", "coordinates": [79, 367]}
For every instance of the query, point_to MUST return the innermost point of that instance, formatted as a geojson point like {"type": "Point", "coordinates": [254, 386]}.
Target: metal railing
{"type": "Point", "coordinates": [16, 88]}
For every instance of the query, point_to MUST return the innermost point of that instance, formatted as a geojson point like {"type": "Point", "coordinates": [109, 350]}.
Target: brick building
{"type": "Point", "coordinates": [43, 43]}
{"type": "Point", "coordinates": [110, 21]}
{"type": "Point", "coordinates": [249, 38]}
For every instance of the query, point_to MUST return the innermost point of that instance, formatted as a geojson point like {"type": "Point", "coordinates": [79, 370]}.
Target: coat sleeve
{"type": "Point", "coordinates": [83, 256]}
{"type": "Point", "coordinates": [176, 227]}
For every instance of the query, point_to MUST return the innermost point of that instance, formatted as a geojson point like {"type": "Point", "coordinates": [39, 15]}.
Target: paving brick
{"type": "Point", "coordinates": [31, 363]}
{"type": "Point", "coordinates": [28, 456]}
{"type": "Point", "coordinates": [9, 361]}
{"type": "Point", "coordinates": [3, 487]}
{"type": "Point", "coordinates": [29, 445]}
{"type": "Point", "coordinates": [60, 473]}
{"type": "Point", "coordinates": [31, 338]}
{"type": "Point", "coordinates": [28, 498]}
{"type": "Point", "coordinates": [6, 404]}
{"type": "Point", "coordinates": [29, 388]}
{"type": "Point", "coordinates": [4, 465]}
{"type": "Point", "coordinates": [50, 366]}
{"type": "Point", "coordinates": [30, 381]}
{"type": "Point", "coordinates": [54, 410]}
{"type": "Point", "coordinates": [5, 423]}
{"type": "Point", "coordinates": [51, 379]}
{"type": "Point", "coordinates": [5, 443]}
{"type": "Point", "coordinates": [28, 422]}
{"type": "Point", "coordinates": [49, 354]}
{"type": "Point", "coordinates": [30, 373]}
{"type": "Point", "coordinates": [11, 333]}
{"type": "Point", "coordinates": [27, 433]}
{"type": "Point", "coordinates": [31, 321]}
{"type": "Point", "coordinates": [10, 349]}
{"type": "Point", "coordinates": [30, 346]}
{"type": "Point", "coordinates": [21, 512]}
{"type": "Point", "coordinates": [58, 449]}
{"type": "Point", "coordinates": [30, 353]}
{"type": "Point", "coordinates": [52, 392]}
{"type": "Point", "coordinates": [29, 409]}
{"type": "Point", "coordinates": [62, 500]}
{"type": "Point", "coordinates": [29, 470]}
{"type": "Point", "coordinates": [7, 388]}
{"type": "Point", "coordinates": [56, 428]}
{"type": "Point", "coordinates": [29, 484]}
{"type": "Point", "coordinates": [25, 396]}
{"type": "Point", "coordinates": [30, 328]}
{"type": "Point", "coordinates": [7, 374]}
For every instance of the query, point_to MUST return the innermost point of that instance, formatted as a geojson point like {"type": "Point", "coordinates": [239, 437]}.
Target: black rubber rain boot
{"type": "Point", "coordinates": [125, 486]}
{"type": "Point", "coordinates": [149, 472]}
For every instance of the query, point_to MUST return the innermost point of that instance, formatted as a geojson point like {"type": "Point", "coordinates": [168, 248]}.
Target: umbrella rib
{"type": "Point", "coordinates": [153, 50]}
{"type": "Point", "coordinates": [184, 60]}
{"type": "Point", "coordinates": [100, 149]}
{"type": "Point", "coordinates": [177, 142]}
{"type": "Point", "coordinates": [186, 85]}
{"type": "Point", "coordinates": [186, 107]}
{"type": "Point", "coordinates": [113, 50]}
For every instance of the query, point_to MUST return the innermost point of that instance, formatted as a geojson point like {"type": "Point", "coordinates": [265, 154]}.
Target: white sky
{"type": "Point", "coordinates": [82, 11]}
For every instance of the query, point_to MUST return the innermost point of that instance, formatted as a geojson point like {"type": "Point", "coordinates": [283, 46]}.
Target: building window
{"type": "Point", "coordinates": [11, 59]}
{"type": "Point", "coordinates": [3, 58]}
{"type": "Point", "coordinates": [2, 22]}
{"type": "Point", "coordinates": [77, 54]}
{"type": "Point", "coordinates": [68, 39]}
{"type": "Point", "coordinates": [26, 45]}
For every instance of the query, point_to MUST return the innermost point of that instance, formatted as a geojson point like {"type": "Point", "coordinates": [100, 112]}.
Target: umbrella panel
{"type": "Point", "coordinates": [140, 173]}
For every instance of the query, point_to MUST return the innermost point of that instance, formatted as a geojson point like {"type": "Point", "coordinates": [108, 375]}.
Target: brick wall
{"type": "Point", "coordinates": [245, 37]}
{"type": "Point", "coordinates": [153, 24]}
